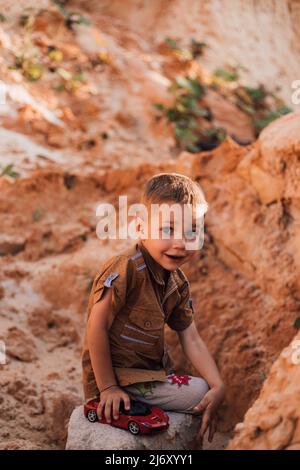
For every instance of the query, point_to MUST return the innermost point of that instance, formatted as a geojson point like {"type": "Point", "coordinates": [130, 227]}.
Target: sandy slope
{"type": "Point", "coordinates": [245, 283]}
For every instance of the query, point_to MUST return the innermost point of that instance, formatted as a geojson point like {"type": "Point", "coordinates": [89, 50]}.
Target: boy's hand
{"type": "Point", "coordinates": [208, 406]}
{"type": "Point", "coordinates": [110, 402]}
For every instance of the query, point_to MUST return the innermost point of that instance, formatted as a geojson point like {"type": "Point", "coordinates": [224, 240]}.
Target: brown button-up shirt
{"type": "Point", "coordinates": [142, 302]}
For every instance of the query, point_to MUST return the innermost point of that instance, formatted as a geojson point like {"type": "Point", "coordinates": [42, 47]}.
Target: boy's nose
{"type": "Point", "coordinates": [179, 244]}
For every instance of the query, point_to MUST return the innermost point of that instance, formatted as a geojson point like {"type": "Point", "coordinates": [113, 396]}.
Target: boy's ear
{"type": "Point", "coordinates": [138, 220]}
{"type": "Point", "coordinates": [140, 224]}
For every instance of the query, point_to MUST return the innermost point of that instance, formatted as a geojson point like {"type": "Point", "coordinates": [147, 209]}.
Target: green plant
{"type": "Point", "coordinates": [9, 171]}
{"type": "Point", "coordinates": [257, 95]}
{"type": "Point", "coordinates": [216, 133]}
{"type": "Point", "coordinates": [171, 43]}
{"type": "Point", "coordinates": [75, 18]}
{"type": "Point", "coordinates": [32, 69]}
{"type": "Point", "coordinates": [197, 48]}
{"type": "Point", "coordinates": [70, 82]}
{"type": "Point", "coordinates": [55, 54]}
{"type": "Point", "coordinates": [187, 114]}
{"type": "Point", "coordinates": [229, 75]}
{"type": "Point", "coordinates": [71, 18]}
{"type": "Point", "coordinates": [37, 215]}
{"type": "Point", "coordinates": [188, 85]}
{"type": "Point", "coordinates": [191, 52]}
{"type": "Point", "coordinates": [266, 118]}
{"type": "Point", "coordinates": [297, 323]}
{"type": "Point", "coordinates": [263, 106]}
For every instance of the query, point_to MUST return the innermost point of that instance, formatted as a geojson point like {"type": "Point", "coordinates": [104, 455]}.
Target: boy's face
{"type": "Point", "coordinates": [174, 237]}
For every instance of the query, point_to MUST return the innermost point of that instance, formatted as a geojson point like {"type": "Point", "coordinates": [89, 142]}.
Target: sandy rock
{"type": "Point", "coordinates": [275, 169]}
{"type": "Point", "coordinates": [294, 447]}
{"type": "Point", "coordinates": [9, 246]}
{"type": "Point", "coordinates": [273, 422]}
{"type": "Point", "coordinates": [21, 388]}
{"type": "Point", "coordinates": [52, 327]}
{"type": "Point", "coordinates": [83, 435]}
{"type": "Point", "coordinates": [20, 345]}
{"type": "Point", "coordinates": [253, 218]}
{"type": "Point", "coordinates": [19, 444]}
{"type": "Point", "coordinates": [280, 140]}
{"type": "Point", "coordinates": [58, 408]}
{"type": "Point", "coordinates": [111, 142]}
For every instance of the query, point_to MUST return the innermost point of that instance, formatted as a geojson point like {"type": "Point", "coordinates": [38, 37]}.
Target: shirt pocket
{"type": "Point", "coordinates": [143, 330]}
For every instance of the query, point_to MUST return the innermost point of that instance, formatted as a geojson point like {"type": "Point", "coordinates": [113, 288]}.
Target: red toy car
{"type": "Point", "coordinates": [141, 418]}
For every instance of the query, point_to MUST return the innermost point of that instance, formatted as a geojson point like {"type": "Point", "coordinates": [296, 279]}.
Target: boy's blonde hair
{"type": "Point", "coordinates": [173, 187]}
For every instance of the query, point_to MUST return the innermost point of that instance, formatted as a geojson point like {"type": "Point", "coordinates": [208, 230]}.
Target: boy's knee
{"type": "Point", "coordinates": [191, 395]}
{"type": "Point", "coordinates": [199, 388]}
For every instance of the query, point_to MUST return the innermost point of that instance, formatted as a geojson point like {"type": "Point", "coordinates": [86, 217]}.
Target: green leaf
{"type": "Point", "coordinates": [65, 74]}
{"type": "Point", "coordinates": [185, 136]}
{"type": "Point", "coordinates": [197, 48]}
{"type": "Point", "coordinates": [202, 112]}
{"type": "Point", "coordinates": [171, 43]}
{"type": "Point", "coordinates": [79, 77]}
{"type": "Point", "coordinates": [215, 133]}
{"type": "Point", "coordinates": [256, 94]}
{"type": "Point", "coordinates": [184, 54]}
{"type": "Point", "coordinates": [227, 75]}
{"type": "Point", "coordinates": [59, 3]}
{"type": "Point", "coordinates": [189, 102]}
{"type": "Point", "coordinates": [32, 71]}
{"type": "Point", "coordinates": [56, 55]}
{"type": "Point", "coordinates": [246, 107]}
{"type": "Point", "coordinates": [192, 148]}
{"type": "Point", "coordinates": [76, 18]}
{"type": "Point", "coordinates": [172, 114]}
{"type": "Point", "coordinates": [24, 20]}
{"type": "Point", "coordinates": [266, 119]}
{"type": "Point", "coordinates": [191, 85]}
{"type": "Point", "coordinates": [84, 20]}
{"type": "Point", "coordinates": [8, 171]}
{"type": "Point", "coordinates": [19, 59]}
{"type": "Point", "coordinates": [159, 106]}
{"type": "Point", "coordinates": [284, 110]}
{"type": "Point", "coordinates": [37, 215]}
{"type": "Point", "coordinates": [297, 323]}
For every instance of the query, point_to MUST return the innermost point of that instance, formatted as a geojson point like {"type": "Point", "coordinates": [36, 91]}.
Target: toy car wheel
{"type": "Point", "coordinates": [92, 416]}
{"type": "Point", "coordinates": [133, 427]}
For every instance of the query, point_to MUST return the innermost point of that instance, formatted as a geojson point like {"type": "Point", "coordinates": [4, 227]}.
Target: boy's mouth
{"type": "Point", "coordinates": [175, 257]}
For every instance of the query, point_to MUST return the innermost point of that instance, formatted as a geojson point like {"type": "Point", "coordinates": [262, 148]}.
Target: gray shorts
{"type": "Point", "coordinates": [177, 393]}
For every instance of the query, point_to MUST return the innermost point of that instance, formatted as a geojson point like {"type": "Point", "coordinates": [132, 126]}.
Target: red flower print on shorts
{"type": "Point", "coordinates": [179, 379]}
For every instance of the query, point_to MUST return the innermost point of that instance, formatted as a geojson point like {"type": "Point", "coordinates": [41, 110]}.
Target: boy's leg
{"type": "Point", "coordinates": [174, 394]}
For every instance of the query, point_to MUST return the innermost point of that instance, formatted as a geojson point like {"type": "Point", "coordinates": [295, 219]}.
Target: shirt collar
{"type": "Point", "coordinates": [156, 269]}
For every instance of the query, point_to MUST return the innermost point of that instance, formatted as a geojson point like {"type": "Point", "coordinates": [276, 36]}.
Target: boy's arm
{"type": "Point", "coordinates": [99, 323]}
{"type": "Point", "coordinates": [196, 351]}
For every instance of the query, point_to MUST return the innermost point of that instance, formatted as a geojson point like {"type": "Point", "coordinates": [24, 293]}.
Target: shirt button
{"type": "Point", "coordinates": [147, 324]}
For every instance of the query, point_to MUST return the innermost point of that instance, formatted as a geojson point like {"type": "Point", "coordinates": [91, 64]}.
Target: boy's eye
{"type": "Point", "coordinates": [191, 233]}
{"type": "Point", "coordinates": [167, 230]}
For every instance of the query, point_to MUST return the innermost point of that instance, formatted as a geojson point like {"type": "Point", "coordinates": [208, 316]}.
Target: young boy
{"type": "Point", "coordinates": [133, 295]}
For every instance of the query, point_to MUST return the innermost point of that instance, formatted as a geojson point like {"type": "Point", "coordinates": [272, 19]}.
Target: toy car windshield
{"type": "Point", "coordinates": [137, 409]}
